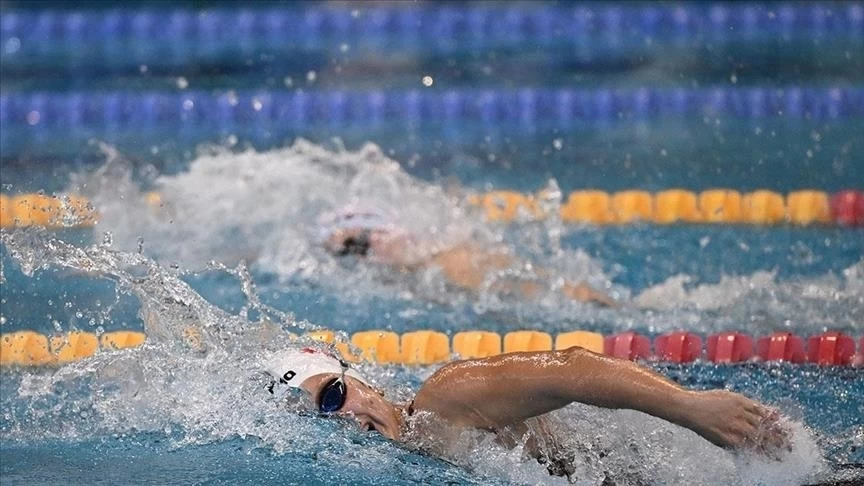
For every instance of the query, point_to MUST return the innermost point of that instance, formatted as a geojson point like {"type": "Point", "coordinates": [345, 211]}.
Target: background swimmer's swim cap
{"type": "Point", "coordinates": [291, 367]}
{"type": "Point", "coordinates": [352, 217]}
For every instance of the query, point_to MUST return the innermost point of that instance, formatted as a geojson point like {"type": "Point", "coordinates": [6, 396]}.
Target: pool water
{"type": "Point", "coordinates": [232, 246]}
{"type": "Point", "coordinates": [758, 279]}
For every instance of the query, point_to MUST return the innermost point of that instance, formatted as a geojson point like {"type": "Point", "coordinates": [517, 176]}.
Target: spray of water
{"type": "Point", "coordinates": [210, 389]}
{"type": "Point", "coordinates": [759, 303]}
{"type": "Point", "coordinates": [266, 209]}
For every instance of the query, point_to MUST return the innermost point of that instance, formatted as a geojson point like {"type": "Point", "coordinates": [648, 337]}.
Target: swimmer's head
{"type": "Point", "coordinates": [353, 230]}
{"type": "Point", "coordinates": [334, 387]}
{"type": "Point", "coordinates": [291, 367]}
{"type": "Point", "coordinates": [352, 242]}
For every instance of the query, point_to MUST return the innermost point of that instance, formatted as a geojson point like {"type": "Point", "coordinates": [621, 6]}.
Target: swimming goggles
{"type": "Point", "coordinates": [333, 394]}
{"type": "Point", "coordinates": [358, 244]}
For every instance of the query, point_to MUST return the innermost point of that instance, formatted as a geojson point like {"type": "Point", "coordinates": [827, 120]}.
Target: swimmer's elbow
{"type": "Point", "coordinates": [576, 356]}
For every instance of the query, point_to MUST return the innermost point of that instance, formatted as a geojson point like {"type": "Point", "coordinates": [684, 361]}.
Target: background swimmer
{"type": "Point", "coordinates": [466, 265]}
{"type": "Point", "coordinates": [509, 394]}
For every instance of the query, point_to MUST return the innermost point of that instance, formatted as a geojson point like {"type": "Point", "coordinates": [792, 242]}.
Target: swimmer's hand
{"type": "Point", "coordinates": [733, 421]}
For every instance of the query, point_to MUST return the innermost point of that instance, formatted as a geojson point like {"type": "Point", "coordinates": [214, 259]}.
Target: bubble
{"type": "Point", "coordinates": [12, 45]}
{"type": "Point", "coordinates": [33, 117]}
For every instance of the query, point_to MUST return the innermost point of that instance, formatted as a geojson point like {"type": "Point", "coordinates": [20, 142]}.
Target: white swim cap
{"type": "Point", "coordinates": [291, 367]}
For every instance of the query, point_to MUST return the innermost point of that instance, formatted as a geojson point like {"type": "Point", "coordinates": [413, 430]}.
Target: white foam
{"type": "Point", "coordinates": [758, 303]}
{"type": "Point", "coordinates": [206, 394]}
{"type": "Point", "coordinates": [264, 208]}
{"type": "Point", "coordinates": [629, 447]}
{"type": "Point", "coordinates": [260, 207]}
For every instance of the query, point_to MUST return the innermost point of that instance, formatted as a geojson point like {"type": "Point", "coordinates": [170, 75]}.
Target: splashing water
{"type": "Point", "coordinates": [262, 206]}
{"type": "Point", "coordinates": [760, 303]}
{"type": "Point", "coordinates": [207, 390]}
{"type": "Point", "coordinates": [265, 208]}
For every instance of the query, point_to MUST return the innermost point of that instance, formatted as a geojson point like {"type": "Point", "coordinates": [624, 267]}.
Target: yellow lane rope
{"type": "Point", "coordinates": [425, 347]}
{"type": "Point", "coordinates": [712, 206]}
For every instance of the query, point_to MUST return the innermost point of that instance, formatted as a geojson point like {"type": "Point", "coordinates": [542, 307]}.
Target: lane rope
{"type": "Point", "coordinates": [712, 206]}
{"type": "Point", "coordinates": [426, 347]}
{"type": "Point", "coordinates": [231, 110]}
{"type": "Point", "coordinates": [591, 27]}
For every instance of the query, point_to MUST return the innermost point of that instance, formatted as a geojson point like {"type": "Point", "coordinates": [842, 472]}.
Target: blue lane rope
{"type": "Point", "coordinates": [482, 22]}
{"type": "Point", "coordinates": [159, 35]}
{"type": "Point", "coordinates": [418, 107]}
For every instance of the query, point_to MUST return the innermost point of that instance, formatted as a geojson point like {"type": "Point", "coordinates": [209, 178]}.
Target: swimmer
{"type": "Point", "coordinates": [504, 393]}
{"type": "Point", "coordinates": [368, 235]}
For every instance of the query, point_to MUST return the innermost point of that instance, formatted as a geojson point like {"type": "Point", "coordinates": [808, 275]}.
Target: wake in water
{"type": "Point", "coordinates": [266, 208]}
{"type": "Point", "coordinates": [209, 389]}
{"type": "Point", "coordinates": [759, 303]}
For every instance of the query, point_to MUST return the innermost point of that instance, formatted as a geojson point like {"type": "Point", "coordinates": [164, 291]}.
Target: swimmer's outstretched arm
{"type": "Point", "coordinates": [468, 267]}
{"type": "Point", "coordinates": [504, 390]}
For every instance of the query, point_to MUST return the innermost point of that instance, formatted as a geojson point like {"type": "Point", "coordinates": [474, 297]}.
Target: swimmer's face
{"type": "Point", "coordinates": [355, 241]}
{"type": "Point", "coordinates": [362, 403]}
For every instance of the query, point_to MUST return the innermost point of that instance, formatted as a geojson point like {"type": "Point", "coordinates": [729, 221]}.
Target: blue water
{"type": "Point", "coordinates": [605, 96]}
{"type": "Point", "coordinates": [628, 254]}
{"type": "Point", "coordinates": [824, 398]}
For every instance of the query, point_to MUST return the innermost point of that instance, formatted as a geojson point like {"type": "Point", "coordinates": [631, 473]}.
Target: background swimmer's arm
{"type": "Point", "coordinates": [467, 266]}
{"type": "Point", "coordinates": [507, 389]}
{"type": "Point", "coordinates": [585, 293]}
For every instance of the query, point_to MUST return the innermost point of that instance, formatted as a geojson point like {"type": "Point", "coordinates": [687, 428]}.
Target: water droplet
{"type": "Point", "coordinates": [12, 45]}
{"type": "Point", "coordinates": [232, 98]}
{"type": "Point", "coordinates": [33, 117]}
